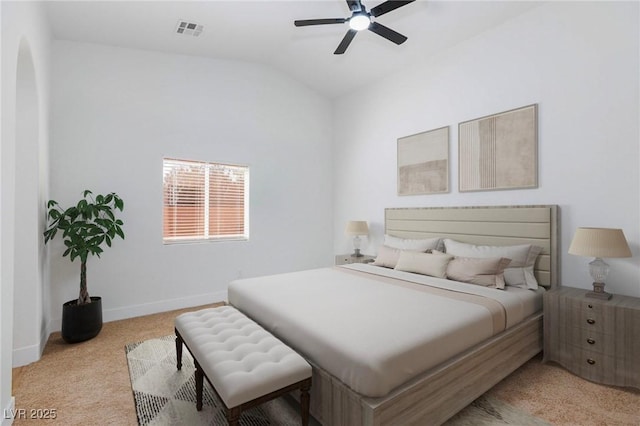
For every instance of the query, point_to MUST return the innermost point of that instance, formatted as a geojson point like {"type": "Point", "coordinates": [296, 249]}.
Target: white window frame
{"type": "Point", "coordinates": [207, 236]}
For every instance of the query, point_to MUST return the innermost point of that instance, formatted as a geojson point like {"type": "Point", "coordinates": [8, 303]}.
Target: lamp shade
{"type": "Point", "coordinates": [599, 242]}
{"type": "Point", "coordinates": [357, 227]}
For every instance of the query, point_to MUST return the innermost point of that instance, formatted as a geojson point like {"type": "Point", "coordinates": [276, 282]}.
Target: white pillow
{"type": "Point", "coordinates": [434, 265]}
{"type": "Point", "coordinates": [520, 270]}
{"type": "Point", "coordinates": [484, 271]}
{"type": "Point", "coordinates": [422, 245]}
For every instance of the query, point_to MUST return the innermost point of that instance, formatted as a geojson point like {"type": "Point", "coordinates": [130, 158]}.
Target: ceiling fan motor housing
{"type": "Point", "coordinates": [361, 20]}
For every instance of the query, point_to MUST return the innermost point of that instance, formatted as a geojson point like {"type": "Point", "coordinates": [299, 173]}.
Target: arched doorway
{"type": "Point", "coordinates": [28, 313]}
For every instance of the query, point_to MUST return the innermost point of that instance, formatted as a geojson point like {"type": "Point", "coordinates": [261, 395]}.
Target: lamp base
{"type": "Point", "coordinates": [598, 292]}
{"type": "Point", "coordinates": [356, 253]}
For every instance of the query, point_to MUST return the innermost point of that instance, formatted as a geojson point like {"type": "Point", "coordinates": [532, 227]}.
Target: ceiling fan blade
{"type": "Point", "coordinates": [342, 47]}
{"type": "Point", "coordinates": [388, 6]}
{"type": "Point", "coordinates": [387, 33]}
{"type": "Point", "coordinates": [354, 5]}
{"type": "Point", "coordinates": [306, 22]}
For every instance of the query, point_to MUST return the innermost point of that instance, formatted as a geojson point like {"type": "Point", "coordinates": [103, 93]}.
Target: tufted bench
{"type": "Point", "coordinates": [243, 362]}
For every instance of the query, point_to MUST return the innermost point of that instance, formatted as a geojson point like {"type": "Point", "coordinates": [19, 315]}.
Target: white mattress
{"type": "Point", "coordinates": [372, 335]}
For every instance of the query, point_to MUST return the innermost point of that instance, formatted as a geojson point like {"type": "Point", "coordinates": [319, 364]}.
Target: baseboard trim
{"type": "Point", "coordinates": [133, 311]}
{"type": "Point", "coordinates": [26, 355]}
{"type": "Point", "coordinates": [9, 413]}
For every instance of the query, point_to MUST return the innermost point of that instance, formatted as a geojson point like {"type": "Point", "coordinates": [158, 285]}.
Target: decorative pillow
{"type": "Point", "coordinates": [434, 265]}
{"type": "Point", "coordinates": [413, 244]}
{"type": "Point", "coordinates": [488, 272]}
{"type": "Point", "coordinates": [387, 257]}
{"type": "Point", "coordinates": [520, 270]}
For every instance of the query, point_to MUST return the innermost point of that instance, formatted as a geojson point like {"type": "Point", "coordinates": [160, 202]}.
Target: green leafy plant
{"type": "Point", "coordinates": [85, 228]}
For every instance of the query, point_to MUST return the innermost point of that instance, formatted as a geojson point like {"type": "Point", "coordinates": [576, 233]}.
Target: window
{"type": "Point", "coordinates": [204, 201]}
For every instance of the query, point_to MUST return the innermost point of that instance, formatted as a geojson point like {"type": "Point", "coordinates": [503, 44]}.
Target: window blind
{"type": "Point", "coordinates": [204, 201]}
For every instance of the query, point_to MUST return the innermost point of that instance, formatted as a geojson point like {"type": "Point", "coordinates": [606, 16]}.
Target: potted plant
{"type": "Point", "coordinates": [85, 228]}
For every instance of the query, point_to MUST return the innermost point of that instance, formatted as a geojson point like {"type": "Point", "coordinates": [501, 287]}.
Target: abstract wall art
{"type": "Point", "coordinates": [423, 162]}
{"type": "Point", "coordinates": [499, 151]}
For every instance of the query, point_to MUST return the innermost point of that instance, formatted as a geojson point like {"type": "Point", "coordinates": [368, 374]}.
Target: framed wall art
{"type": "Point", "coordinates": [499, 151]}
{"type": "Point", "coordinates": [423, 163]}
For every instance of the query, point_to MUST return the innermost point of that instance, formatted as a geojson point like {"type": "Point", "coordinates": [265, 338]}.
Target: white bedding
{"type": "Point", "coordinates": [372, 335]}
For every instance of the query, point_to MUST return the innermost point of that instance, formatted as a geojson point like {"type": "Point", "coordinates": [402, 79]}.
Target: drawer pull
{"type": "Point", "coordinates": [591, 361]}
{"type": "Point", "coordinates": [591, 341]}
{"type": "Point", "coordinates": [590, 306]}
{"type": "Point", "coordinates": [591, 321]}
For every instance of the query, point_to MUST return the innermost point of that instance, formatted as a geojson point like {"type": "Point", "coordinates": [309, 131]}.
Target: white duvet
{"type": "Point", "coordinates": [372, 335]}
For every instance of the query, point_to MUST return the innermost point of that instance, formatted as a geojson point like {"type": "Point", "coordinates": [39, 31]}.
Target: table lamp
{"type": "Point", "coordinates": [599, 243]}
{"type": "Point", "coordinates": [356, 228]}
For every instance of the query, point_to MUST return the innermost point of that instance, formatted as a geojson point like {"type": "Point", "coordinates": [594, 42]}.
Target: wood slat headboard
{"type": "Point", "coordinates": [490, 225]}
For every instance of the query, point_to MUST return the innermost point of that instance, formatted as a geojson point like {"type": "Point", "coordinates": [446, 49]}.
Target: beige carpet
{"type": "Point", "coordinates": [88, 383]}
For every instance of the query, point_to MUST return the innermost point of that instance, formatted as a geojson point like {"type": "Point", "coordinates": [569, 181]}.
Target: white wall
{"type": "Point", "coordinates": [115, 114]}
{"type": "Point", "coordinates": [23, 167]}
{"type": "Point", "coordinates": [578, 61]}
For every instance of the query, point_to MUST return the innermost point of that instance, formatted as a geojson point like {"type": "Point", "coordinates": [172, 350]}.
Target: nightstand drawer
{"type": "Point", "coordinates": [590, 316]}
{"type": "Point", "coordinates": [588, 364]}
{"type": "Point", "coordinates": [591, 340]}
{"type": "Point", "coordinates": [598, 367]}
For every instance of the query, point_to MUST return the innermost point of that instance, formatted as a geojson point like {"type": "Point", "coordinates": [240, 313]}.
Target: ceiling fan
{"type": "Point", "coordinates": [361, 20]}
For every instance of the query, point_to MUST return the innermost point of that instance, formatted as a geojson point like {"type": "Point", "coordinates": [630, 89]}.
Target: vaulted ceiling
{"type": "Point", "coordinates": [262, 31]}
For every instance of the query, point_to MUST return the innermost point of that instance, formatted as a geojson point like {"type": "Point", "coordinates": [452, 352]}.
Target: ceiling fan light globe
{"type": "Point", "coordinates": [359, 22]}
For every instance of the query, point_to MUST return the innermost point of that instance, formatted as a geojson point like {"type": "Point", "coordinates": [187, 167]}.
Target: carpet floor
{"type": "Point", "coordinates": [89, 383]}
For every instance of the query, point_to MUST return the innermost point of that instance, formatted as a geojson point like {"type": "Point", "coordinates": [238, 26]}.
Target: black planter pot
{"type": "Point", "coordinates": [81, 322]}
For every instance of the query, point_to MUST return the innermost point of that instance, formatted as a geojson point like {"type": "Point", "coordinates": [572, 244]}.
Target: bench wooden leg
{"type": "Point", "coordinates": [178, 350]}
{"type": "Point", "coordinates": [233, 416]}
{"type": "Point", "coordinates": [199, 385]}
{"type": "Point", "coordinates": [304, 402]}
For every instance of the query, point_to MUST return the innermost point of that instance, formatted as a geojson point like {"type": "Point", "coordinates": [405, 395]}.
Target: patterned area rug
{"type": "Point", "coordinates": [164, 395]}
{"type": "Point", "coordinates": [489, 411]}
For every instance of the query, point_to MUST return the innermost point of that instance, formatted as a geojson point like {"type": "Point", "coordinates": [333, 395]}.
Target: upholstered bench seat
{"type": "Point", "coordinates": [244, 363]}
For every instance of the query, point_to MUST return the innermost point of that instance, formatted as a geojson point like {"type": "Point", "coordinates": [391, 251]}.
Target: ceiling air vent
{"type": "Point", "coordinates": [189, 28]}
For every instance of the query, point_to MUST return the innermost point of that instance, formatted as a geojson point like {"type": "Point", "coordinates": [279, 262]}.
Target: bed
{"type": "Point", "coordinates": [345, 321]}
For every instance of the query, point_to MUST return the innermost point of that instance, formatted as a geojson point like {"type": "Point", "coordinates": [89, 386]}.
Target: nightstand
{"type": "Point", "coordinates": [598, 340]}
{"type": "Point", "coordinates": [345, 259]}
